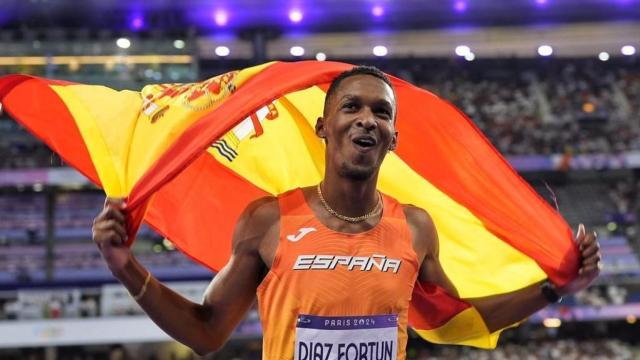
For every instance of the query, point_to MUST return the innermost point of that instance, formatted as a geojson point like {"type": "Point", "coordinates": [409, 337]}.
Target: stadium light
{"type": "Point", "coordinates": [380, 50]}
{"type": "Point", "coordinates": [552, 322]}
{"type": "Point", "coordinates": [222, 51]}
{"type": "Point", "coordinates": [178, 44]}
{"type": "Point", "coordinates": [296, 50]}
{"type": "Point", "coordinates": [137, 22]}
{"type": "Point", "coordinates": [295, 15]}
{"type": "Point", "coordinates": [545, 50]}
{"type": "Point", "coordinates": [603, 56]}
{"type": "Point", "coordinates": [628, 50]}
{"type": "Point", "coordinates": [470, 56]}
{"type": "Point", "coordinates": [462, 50]}
{"type": "Point", "coordinates": [221, 17]}
{"type": "Point", "coordinates": [123, 43]}
{"type": "Point", "coordinates": [460, 6]}
{"type": "Point", "coordinates": [321, 56]}
{"type": "Point", "coordinates": [377, 11]}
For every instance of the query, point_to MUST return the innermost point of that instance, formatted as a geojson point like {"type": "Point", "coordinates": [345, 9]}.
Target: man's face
{"type": "Point", "coordinates": [359, 126]}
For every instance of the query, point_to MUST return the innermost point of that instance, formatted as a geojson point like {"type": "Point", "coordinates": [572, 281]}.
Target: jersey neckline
{"type": "Point", "coordinates": [385, 209]}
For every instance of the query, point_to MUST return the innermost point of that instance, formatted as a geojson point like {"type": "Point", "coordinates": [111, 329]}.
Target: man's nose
{"type": "Point", "coordinates": [367, 119]}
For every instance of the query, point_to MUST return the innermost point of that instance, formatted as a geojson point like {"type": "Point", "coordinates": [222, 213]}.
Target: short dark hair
{"type": "Point", "coordinates": [356, 70]}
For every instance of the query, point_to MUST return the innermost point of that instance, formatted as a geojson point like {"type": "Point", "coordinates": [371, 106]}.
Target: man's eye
{"type": "Point", "coordinates": [349, 106]}
{"type": "Point", "coordinates": [384, 112]}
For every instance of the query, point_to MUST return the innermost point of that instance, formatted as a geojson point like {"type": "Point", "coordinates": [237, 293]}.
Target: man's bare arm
{"type": "Point", "coordinates": [203, 327]}
{"type": "Point", "coordinates": [503, 310]}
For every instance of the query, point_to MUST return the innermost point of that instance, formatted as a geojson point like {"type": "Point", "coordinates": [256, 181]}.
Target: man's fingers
{"type": "Point", "coordinates": [591, 260]}
{"type": "Point", "coordinates": [110, 225]}
{"type": "Point", "coordinates": [108, 237]}
{"type": "Point", "coordinates": [590, 250]}
{"type": "Point", "coordinates": [115, 202]}
{"type": "Point", "coordinates": [112, 212]}
{"type": "Point", "coordinates": [107, 228]}
{"type": "Point", "coordinates": [590, 269]}
{"type": "Point", "coordinates": [580, 234]}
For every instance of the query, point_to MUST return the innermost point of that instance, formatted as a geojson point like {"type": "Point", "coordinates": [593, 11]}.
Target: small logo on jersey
{"type": "Point", "coordinates": [362, 263]}
{"type": "Point", "coordinates": [302, 232]}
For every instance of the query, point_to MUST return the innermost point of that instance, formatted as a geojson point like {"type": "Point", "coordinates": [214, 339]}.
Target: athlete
{"type": "Point", "coordinates": [299, 253]}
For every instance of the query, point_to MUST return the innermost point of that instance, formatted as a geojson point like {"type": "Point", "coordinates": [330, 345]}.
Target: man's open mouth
{"type": "Point", "coordinates": [364, 142]}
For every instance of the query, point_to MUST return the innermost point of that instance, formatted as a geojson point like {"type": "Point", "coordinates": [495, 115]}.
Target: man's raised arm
{"type": "Point", "coordinates": [503, 310]}
{"type": "Point", "coordinates": [203, 327]}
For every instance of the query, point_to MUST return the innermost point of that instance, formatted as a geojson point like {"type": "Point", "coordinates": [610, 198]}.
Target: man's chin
{"type": "Point", "coordinates": [357, 172]}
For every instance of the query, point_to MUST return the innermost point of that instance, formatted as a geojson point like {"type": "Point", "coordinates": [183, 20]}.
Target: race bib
{"type": "Point", "coordinates": [346, 337]}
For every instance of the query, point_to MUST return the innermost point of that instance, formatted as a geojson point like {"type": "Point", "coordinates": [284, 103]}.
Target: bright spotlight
{"type": "Point", "coordinates": [380, 50]}
{"type": "Point", "coordinates": [462, 50]}
{"type": "Point", "coordinates": [221, 17]}
{"type": "Point", "coordinates": [296, 50]}
{"type": "Point", "coordinates": [470, 56]}
{"type": "Point", "coordinates": [295, 15]}
{"type": "Point", "coordinates": [321, 56]}
{"type": "Point", "coordinates": [179, 44]}
{"type": "Point", "coordinates": [552, 322]}
{"type": "Point", "coordinates": [222, 51]}
{"type": "Point", "coordinates": [603, 56]}
{"type": "Point", "coordinates": [123, 43]}
{"type": "Point", "coordinates": [541, 2]}
{"type": "Point", "coordinates": [460, 6]}
{"type": "Point", "coordinates": [628, 50]}
{"type": "Point", "coordinates": [377, 11]}
{"type": "Point", "coordinates": [545, 50]}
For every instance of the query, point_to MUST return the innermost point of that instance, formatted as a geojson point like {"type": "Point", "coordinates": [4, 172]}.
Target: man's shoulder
{"type": "Point", "coordinates": [417, 216]}
{"type": "Point", "coordinates": [423, 230]}
{"type": "Point", "coordinates": [263, 212]}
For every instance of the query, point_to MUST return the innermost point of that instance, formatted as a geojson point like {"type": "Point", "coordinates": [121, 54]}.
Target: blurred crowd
{"type": "Point", "coordinates": [624, 196]}
{"type": "Point", "coordinates": [602, 295]}
{"type": "Point", "coordinates": [578, 107]}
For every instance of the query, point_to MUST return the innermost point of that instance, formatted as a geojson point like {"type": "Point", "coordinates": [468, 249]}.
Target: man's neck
{"type": "Point", "coordinates": [350, 197]}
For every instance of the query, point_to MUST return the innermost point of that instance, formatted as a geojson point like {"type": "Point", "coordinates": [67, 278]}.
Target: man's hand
{"type": "Point", "coordinates": [589, 262]}
{"type": "Point", "coordinates": [110, 235]}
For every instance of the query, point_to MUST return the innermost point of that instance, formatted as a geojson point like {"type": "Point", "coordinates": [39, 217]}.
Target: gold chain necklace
{"type": "Point", "coordinates": [350, 219]}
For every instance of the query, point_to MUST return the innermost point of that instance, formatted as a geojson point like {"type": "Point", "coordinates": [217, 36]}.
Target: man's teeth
{"type": "Point", "coordinates": [364, 142]}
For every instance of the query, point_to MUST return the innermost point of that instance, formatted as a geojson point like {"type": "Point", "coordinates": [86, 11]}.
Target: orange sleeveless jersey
{"type": "Point", "coordinates": [341, 282]}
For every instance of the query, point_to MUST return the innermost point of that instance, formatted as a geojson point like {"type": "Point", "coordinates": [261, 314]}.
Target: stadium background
{"type": "Point", "coordinates": [555, 85]}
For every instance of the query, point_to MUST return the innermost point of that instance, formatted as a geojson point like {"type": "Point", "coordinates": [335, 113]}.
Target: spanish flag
{"type": "Point", "coordinates": [188, 158]}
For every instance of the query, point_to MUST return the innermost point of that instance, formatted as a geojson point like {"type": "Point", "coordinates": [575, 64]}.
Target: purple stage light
{"type": "Point", "coordinates": [221, 17]}
{"type": "Point", "coordinates": [460, 6]}
{"type": "Point", "coordinates": [377, 11]}
{"type": "Point", "coordinates": [541, 2]}
{"type": "Point", "coordinates": [295, 15]}
{"type": "Point", "coordinates": [137, 22]}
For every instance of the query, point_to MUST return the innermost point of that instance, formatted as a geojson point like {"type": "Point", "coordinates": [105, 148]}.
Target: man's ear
{"type": "Point", "coordinates": [394, 142]}
{"type": "Point", "coordinates": [320, 129]}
